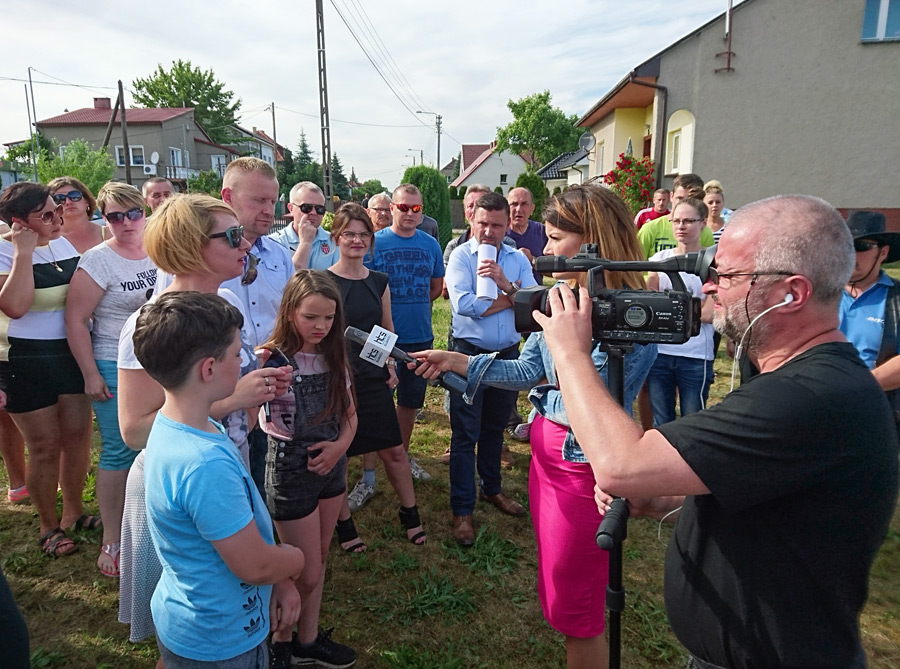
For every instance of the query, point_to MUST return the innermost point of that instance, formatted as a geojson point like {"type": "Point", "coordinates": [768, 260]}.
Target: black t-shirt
{"type": "Point", "coordinates": [361, 300]}
{"type": "Point", "coordinates": [771, 569]}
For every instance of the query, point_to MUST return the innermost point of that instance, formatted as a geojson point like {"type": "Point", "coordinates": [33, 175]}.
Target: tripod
{"type": "Point", "coordinates": [613, 528]}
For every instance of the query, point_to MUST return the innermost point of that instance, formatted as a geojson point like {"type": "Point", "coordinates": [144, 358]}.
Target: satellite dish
{"type": "Point", "coordinates": [587, 141]}
{"type": "Point", "coordinates": [154, 158]}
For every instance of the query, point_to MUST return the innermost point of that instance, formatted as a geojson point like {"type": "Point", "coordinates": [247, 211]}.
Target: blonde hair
{"type": "Point", "coordinates": [124, 195]}
{"type": "Point", "coordinates": [179, 229]}
{"type": "Point", "coordinates": [601, 217]}
{"type": "Point", "coordinates": [244, 166]}
{"type": "Point", "coordinates": [713, 187]}
{"type": "Point", "coordinates": [72, 182]}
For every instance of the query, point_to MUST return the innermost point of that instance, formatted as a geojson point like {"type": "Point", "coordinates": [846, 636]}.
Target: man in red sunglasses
{"type": "Point", "coordinates": [415, 267]}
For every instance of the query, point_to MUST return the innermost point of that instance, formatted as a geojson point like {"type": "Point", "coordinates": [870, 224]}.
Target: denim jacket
{"type": "Point", "coordinates": [535, 363]}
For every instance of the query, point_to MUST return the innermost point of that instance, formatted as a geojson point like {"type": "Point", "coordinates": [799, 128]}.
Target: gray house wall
{"type": "Point", "coordinates": [807, 109]}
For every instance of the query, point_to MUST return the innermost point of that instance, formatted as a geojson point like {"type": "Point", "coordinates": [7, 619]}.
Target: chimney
{"type": "Point", "coordinates": [102, 103]}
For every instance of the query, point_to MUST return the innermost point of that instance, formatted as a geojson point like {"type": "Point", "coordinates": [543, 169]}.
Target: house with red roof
{"type": "Point", "coordinates": [165, 142]}
{"type": "Point", "coordinates": [483, 164]}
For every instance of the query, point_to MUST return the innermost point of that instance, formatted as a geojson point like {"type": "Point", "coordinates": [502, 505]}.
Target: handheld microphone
{"type": "Point", "coordinates": [449, 380]}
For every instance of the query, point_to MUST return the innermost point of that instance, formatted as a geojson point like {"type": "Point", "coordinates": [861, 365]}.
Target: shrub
{"type": "Point", "coordinates": [632, 180]}
{"type": "Point", "coordinates": [533, 182]}
{"type": "Point", "coordinates": [435, 197]}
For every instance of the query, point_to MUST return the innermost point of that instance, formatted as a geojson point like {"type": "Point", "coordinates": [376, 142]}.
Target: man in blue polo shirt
{"type": "Point", "coordinates": [310, 243]}
{"type": "Point", "coordinates": [483, 326]}
{"type": "Point", "coordinates": [870, 305]}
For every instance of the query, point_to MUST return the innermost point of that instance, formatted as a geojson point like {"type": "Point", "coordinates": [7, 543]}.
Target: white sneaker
{"type": "Point", "coordinates": [417, 472]}
{"type": "Point", "coordinates": [360, 494]}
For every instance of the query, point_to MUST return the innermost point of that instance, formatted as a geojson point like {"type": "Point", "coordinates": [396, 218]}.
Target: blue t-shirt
{"type": "Point", "coordinates": [197, 492]}
{"type": "Point", "coordinates": [410, 263]}
{"type": "Point", "coordinates": [862, 319]}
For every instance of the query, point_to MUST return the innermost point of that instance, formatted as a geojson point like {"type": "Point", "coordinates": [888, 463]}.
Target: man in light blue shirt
{"type": "Point", "coordinates": [483, 326]}
{"type": "Point", "coordinates": [310, 243]}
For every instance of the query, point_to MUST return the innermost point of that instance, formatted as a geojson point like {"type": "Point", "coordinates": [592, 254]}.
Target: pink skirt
{"type": "Point", "coordinates": [572, 571]}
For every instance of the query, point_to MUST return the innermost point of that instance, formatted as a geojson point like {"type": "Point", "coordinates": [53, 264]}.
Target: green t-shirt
{"type": "Point", "coordinates": [657, 236]}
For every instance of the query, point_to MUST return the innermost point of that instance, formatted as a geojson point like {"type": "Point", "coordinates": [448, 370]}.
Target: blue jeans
{"type": "Point", "coordinates": [481, 422]}
{"type": "Point", "coordinates": [692, 378]}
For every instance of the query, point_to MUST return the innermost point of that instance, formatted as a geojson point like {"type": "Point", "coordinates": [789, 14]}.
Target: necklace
{"type": "Point", "coordinates": [53, 258]}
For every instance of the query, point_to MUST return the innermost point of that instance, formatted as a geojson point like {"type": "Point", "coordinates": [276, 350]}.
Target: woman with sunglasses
{"type": "Point", "coordinates": [367, 303]}
{"type": "Point", "coordinates": [198, 240]}
{"type": "Point", "coordinates": [112, 281]}
{"type": "Point", "coordinates": [37, 369]}
{"type": "Point", "coordinates": [78, 206]}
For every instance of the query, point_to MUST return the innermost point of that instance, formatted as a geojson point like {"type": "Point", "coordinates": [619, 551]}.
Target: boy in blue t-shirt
{"type": "Point", "coordinates": [215, 601]}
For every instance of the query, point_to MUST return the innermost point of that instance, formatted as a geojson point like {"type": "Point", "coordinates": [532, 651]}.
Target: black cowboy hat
{"type": "Point", "coordinates": [871, 225]}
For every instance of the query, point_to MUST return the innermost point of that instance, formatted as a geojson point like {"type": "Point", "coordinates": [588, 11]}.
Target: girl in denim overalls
{"type": "Point", "coordinates": [310, 428]}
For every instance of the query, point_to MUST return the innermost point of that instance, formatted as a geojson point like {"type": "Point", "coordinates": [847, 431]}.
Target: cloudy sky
{"type": "Point", "coordinates": [463, 60]}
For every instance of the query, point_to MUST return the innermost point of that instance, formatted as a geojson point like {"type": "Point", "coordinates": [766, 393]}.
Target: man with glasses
{"type": "Point", "coordinates": [412, 260]}
{"type": "Point", "coordinates": [788, 485]}
{"type": "Point", "coordinates": [657, 235]}
{"type": "Point", "coordinates": [305, 237]}
{"type": "Point", "coordinates": [870, 304]}
{"type": "Point", "coordinates": [380, 211]}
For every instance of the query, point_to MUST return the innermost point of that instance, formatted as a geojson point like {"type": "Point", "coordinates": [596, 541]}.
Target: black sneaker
{"type": "Point", "coordinates": [280, 654]}
{"type": "Point", "coordinates": [325, 652]}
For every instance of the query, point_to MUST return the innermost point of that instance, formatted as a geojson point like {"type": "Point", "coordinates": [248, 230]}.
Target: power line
{"type": "Point", "coordinates": [374, 125]}
{"type": "Point", "coordinates": [54, 83]}
{"type": "Point", "coordinates": [69, 83]}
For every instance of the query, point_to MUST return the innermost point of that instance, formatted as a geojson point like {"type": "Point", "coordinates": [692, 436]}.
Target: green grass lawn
{"type": "Point", "coordinates": [402, 606]}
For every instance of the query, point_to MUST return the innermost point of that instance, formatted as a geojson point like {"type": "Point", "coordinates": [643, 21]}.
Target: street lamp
{"type": "Point", "coordinates": [421, 155]}
{"type": "Point", "coordinates": [413, 156]}
{"type": "Point", "coordinates": [437, 124]}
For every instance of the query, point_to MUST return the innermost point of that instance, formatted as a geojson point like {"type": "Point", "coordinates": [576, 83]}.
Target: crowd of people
{"type": "Point", "coordinates": [228, 401]}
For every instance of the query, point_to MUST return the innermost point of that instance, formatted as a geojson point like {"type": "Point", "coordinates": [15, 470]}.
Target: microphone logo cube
{"type": "Point", "coordinates": [378, 346]}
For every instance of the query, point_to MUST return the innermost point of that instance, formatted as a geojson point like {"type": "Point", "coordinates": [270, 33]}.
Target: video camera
{"type": "Point", "coordinates": [626, 315]}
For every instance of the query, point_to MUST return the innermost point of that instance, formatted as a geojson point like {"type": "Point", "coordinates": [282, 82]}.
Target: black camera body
{"type": "Point", "coordinates": [626, 315]}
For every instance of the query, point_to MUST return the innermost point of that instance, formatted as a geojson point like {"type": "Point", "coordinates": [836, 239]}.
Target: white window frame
{"type": "Point", "coordinates": [884, 7]}
{"type": "Point", "coordinates": [679, 158]}
{"type": "Point", "coordinates": [601, 150]}
{"type": "Point", "coordinates": [504, 178]}
{"type": "Point", "coordinates": [218, 163]}
{"type": "Point", "coordinates": [674, 150]}
{"type": "Point", "coordinates": [137, 155]}
{"type": "Point", "coordinates": [176, 157]}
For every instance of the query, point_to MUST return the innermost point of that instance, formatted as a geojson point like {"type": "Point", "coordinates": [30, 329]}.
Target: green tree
{"type": "Point", "coordinates": [209, 183]}
{"type": "Point", "coordinates": [370, 187]}
{"type": "Point", "coordinates": [339, 184]}
{"type": "Point", "coordinates": [79, 160]}
{"type": "Point", "coordinates": [499, 190]}
{"type": "Point", "coordinates": [533, 182]}
{"type": "Point", "coordinates": [538, 129]}
{"type": "Point", "coordinates": [286, 173]}
{"type": "Point", "coordinates": [455, 175]}
{"type": "Point", "coordinates": [22, 152]}
{"type": "Point", "coordinates": [435, 197]}
{"type": "Point", "coordinates": [305, 167]}
{"type": "Point", "coordinates": [454, 194]}
{"type": "Point", "coordinates": [215, 108]}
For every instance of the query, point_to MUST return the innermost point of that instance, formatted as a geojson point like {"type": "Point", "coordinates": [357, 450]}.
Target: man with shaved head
{"type": "Point", "coordinates": [787, 486]}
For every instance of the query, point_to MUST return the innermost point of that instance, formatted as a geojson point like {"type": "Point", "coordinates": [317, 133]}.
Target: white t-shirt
{"type": "Point", "coordinates": [700, 346]}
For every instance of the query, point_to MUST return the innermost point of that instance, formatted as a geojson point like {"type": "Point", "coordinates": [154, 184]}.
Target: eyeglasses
{"type": "Point", "coordinates": [48, 216]}
{"type": "Point", "coordinates": [353, 236]}
{"type": "Point", "coordinates": [414, 208]}
{"type": "Point", "coordinates": [863, 245]}
{"type": "Point", "coordinates": [306, 208]}
{"type": "Point", "coordinates": [251, 272]}
{"type": "Point", "coordinates": [234, 236]}
{"type": "Point", "coordinates": [716, 276]}
{"type": "Point", "coordinates": [686, 221]}
{"type": "Point", "coordinates": [73, 195]}
{"type": "Point", "coordinates": [135, 214]}
{"type": "Point", "coordinates": [380, 210]}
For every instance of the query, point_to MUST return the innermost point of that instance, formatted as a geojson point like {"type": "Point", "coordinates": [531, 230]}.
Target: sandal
{"type": "Point", "coordinates": [349, 537]}
{"type": "Point", "coordinates": [88, 522]}
{"type": "Point", "coordinates": [56, 544]}
{"type": "Point", "coordinates": [112, 552]}
{"type": "Point", "coordinates": [409, 518]}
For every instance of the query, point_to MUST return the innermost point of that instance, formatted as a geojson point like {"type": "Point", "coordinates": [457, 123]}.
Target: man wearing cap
{"type": "Point", "coordinates": [870, 305]}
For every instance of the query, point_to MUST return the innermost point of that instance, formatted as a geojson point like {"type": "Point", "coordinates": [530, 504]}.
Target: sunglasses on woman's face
{"type": "Point", "coordinates": [306, 208]}
{"type": "Point", "coordinates": [73, 195]}
{"type": "Point", "coordinates": [234, 236]}
{"type": "Point", "coordinates": [48, 216]}
{"type": "Point", "coordinates": [135, 214]}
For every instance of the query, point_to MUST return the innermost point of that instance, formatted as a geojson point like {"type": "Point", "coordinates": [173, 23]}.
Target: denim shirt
{"type": "Point", "coordinates": [535, 363]}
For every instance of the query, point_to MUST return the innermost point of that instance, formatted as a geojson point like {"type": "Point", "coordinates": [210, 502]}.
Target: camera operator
{"type": "Point", "coordinates": [572, 570]}
{"type": "Point", "coordinates": [791, 480]}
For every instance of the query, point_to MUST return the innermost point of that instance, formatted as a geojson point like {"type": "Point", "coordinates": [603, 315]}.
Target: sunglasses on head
{"type": "Point", "coordinates": [306, 208]}
{"type": "Point", "coordinates": [48, 216]}
{"type": "Point", "coordinates": [73, 195]}
{"type": "Point", "coordinates": [414, 208]}
{"type": "Point", "coordinates": [135, 214]}
{"type": "Point", "coordinates": [234, 236]}
{"type": "Point", "coordinates": [863, 245]}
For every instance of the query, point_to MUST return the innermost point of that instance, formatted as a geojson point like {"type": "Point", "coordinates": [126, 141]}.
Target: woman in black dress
{"type": "Point", "coordinates": [367, 302]}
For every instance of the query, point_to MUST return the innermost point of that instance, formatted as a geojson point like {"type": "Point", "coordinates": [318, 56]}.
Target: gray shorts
{"type": "Point", "coordinates": [255, 658]}
{"type": "Point", "coordinates": [292, 491]}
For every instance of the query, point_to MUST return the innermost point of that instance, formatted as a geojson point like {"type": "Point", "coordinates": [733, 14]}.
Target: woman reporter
{"type": "Point", "coordinates": [572, 570]}
{"type": "Point", "coordinates": [42, 379]}
{"type": "Point", "coordinates": [112, 281]}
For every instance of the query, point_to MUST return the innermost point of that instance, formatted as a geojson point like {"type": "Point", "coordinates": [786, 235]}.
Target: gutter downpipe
{"type": "Point", "coordinates": [661, 145]}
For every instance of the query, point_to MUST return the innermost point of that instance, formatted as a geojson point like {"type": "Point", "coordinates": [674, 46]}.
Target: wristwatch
{"type": "Point", "coordinates": [513, 288]}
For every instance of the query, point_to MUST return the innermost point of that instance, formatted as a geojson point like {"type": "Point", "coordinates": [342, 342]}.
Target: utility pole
{"type": "Point", "coordinates": [274, 141]}
{"type": "Point", "coordinates": [33, 138]}
{"type": "Point", "coordinates": [437, 126]}
{"type": "Point", "coordinates": [421, 155]}
{"type": "Point", "coordinates": [327, 186]}
{"type": "Point", "coordinates": [125, 148]}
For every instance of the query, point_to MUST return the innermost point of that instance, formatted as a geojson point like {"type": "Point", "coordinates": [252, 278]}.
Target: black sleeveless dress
{"type": "Point", "coordinates": [377, 426]}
